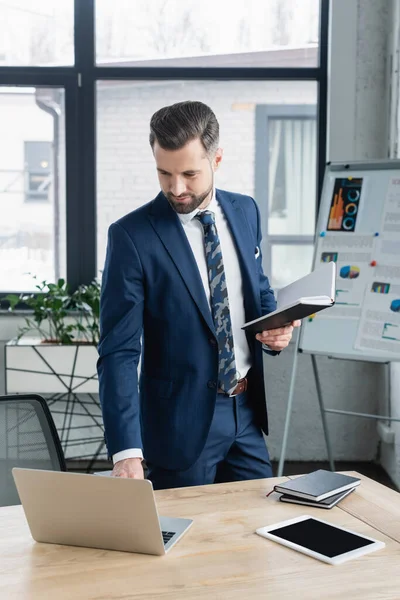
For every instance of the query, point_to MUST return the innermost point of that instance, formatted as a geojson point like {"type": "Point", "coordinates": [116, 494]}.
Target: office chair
{"type": "Point", "coordinates": [28, 438]}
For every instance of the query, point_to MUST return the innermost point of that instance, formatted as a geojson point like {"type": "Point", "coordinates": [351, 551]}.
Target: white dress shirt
{"type": "Point", "coordinates": [195, 235]}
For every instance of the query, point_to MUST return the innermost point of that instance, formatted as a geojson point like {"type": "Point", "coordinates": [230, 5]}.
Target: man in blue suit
{"type": "Point", "coordinates": [182, 275]}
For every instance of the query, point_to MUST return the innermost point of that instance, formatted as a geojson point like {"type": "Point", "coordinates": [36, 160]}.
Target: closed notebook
{"type": "Point", "coordinates": [302, 298]}
{"type": "Point", "coordinates": [329, 502]}
{"type": "Point", "coordinates": [317, 485]}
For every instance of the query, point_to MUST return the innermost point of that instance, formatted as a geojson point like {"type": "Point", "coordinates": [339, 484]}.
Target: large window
{"type": "Point", "coordinates": [36, 32]}
{"type": "Point", "coordinates": [79, 81]}
{"type": "Point", "coordinates": [37, 171]}
{"type": "Point", "coordinates": [32, 186]}
{"type": "Point", "coordinates": [126, 174]}
{"type": "Point", "coordinates": [255, 33]}
{"type": "Point", "coordinates": [286, 186]}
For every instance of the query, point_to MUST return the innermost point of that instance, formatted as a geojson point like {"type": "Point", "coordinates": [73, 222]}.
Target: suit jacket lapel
{"type": "Point", "coordinates": [240, 229]}
{"type": "Point", "coordinates": [168, 227]}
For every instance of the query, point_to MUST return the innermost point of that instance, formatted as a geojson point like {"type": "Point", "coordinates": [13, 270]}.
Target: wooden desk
{"type": "Point", "coordinates": [220, 558]}
{"type": "Point", "coordinates": [382, 513]}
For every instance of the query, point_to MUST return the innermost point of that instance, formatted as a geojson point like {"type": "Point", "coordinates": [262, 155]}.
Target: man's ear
{"type": "Point", "coordinates": [217, 158]}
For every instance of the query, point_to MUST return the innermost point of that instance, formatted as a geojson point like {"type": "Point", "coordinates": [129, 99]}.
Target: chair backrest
{"type": "Point", "coordinates": [28, 438]}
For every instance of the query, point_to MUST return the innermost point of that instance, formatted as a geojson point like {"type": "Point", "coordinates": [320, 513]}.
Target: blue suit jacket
{"type": "Point", "coordinates": [152, 286]}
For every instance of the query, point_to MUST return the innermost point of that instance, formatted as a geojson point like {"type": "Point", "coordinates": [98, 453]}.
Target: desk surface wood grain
{"type": "Point", "coordinates": [219, 558]}
{"type": "Point", "coordinates": [376, 505]}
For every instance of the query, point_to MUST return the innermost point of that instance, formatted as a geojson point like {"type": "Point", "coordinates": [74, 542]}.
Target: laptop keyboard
{"type": "Point", "coordinates": [167, 535]}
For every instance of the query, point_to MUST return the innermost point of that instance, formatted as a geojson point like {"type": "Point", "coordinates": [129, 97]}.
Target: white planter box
{"type": "Point", "coordinates": [67, 376]}
{"type": "Point", "coordinates": [34, 367]}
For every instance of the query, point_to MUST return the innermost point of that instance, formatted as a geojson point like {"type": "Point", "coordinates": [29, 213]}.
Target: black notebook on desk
{"type": "Point", "coordinates": [317, 485]}
{"type": "Point", "coordinates": [327, 503]}
{"type": "Point", "coordinates": [300, 299]}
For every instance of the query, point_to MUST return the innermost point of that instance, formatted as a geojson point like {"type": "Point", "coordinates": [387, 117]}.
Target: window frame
{"type": "Point", "coordinates": [79, 82]}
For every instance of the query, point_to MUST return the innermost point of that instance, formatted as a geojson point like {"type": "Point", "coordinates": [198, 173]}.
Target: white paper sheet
{"type": "Point", "coordinates": [379, 328]}
{"type": "Point", "coordinates": [352, 254]}
{"type": "Point", "coordinates": [388, 247]}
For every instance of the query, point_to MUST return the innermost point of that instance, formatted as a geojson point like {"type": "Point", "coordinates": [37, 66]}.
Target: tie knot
{"type": "Point", "coordinates": [206, 217]}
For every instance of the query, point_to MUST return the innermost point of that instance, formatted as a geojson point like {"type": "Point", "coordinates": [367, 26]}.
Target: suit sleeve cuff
{"type": "Point", "coordinates": [268, 350]}
{"type": "Point", "coordinates": [130, 453]}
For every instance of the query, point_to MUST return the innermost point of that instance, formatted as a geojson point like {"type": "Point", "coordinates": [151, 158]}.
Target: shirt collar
{"type": "Point", "coordinates": [185, 219]}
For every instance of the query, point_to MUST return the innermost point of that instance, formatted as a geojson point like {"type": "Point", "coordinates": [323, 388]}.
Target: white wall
{"type": "Point", "coordinates": [390, 453]}
{"type": "Point", "coordinates": [359, 86]}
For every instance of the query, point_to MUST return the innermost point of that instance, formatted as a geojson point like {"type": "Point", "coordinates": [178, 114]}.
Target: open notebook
{"type": "Point", "coordinates": [300, 299]}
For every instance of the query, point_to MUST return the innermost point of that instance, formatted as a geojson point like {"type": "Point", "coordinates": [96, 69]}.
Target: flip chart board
{"type": "Point", "coordinates": [359, 228]}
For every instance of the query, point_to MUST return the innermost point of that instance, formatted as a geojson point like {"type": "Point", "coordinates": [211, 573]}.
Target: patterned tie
{"type": "Point", "coordinates": [227, 374]}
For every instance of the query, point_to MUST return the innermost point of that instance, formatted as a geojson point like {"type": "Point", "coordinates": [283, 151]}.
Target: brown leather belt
{"type": "Point", "coordinates": [239, 389]}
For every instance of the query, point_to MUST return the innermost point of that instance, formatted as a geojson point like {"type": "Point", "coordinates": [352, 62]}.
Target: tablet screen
{"type": "Point", "coordinates": [320, 537]}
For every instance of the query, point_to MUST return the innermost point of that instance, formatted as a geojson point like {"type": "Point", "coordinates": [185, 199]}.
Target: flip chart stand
{"type": "Point", "coordinates": [336, 337]}
{"type": "Point", "coordinates": [323, 409]}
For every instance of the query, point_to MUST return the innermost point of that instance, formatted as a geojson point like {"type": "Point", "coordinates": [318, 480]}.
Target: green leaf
{"type": "Point", "coordinates": [66, 338]}
{"type": "Point", "coordinates": [54, 304]}
{"type": "Point", "coordinates": [13, 299]}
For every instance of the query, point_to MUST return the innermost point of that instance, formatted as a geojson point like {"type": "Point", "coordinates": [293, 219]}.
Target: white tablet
{"type": "Point", "coordinates": [320, 539]}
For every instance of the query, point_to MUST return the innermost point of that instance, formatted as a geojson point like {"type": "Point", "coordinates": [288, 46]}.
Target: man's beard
{"type": "Point", "coordinates": [189, 207]}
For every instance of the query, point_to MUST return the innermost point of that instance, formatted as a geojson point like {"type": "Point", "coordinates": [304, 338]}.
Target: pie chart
{"type": "Point", "coordinates": [349, 272]}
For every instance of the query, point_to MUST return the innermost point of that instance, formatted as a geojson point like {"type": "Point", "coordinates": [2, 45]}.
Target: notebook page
{"type": "Point", "coordinates": [320, 282]}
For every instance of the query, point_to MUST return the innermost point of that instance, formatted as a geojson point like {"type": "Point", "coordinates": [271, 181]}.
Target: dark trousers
{"type": "Point", "coordinates": [235, 450]}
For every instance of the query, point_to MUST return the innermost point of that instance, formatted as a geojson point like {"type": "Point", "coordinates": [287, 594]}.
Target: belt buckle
{"type": "Point", "coordinates": [243, 382]}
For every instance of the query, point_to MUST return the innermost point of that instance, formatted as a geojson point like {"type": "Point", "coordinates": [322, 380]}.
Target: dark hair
{"type": "Point", "coordinates": [176, 125]}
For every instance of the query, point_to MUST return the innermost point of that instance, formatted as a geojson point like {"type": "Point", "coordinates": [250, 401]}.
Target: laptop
{"type": "Point", "coordinates": [97, 512]}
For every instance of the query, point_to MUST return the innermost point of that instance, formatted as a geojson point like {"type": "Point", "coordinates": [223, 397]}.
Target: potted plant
{"type": "Point", "coordinates": [55, 354]}
{"type": "Point", "coordinates": [56, 348]}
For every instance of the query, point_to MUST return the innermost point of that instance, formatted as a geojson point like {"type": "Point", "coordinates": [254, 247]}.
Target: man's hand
{"type": "Point", "coordinates": [129, 468]}
{"type": "Point", "coordinates": [277, 339]}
